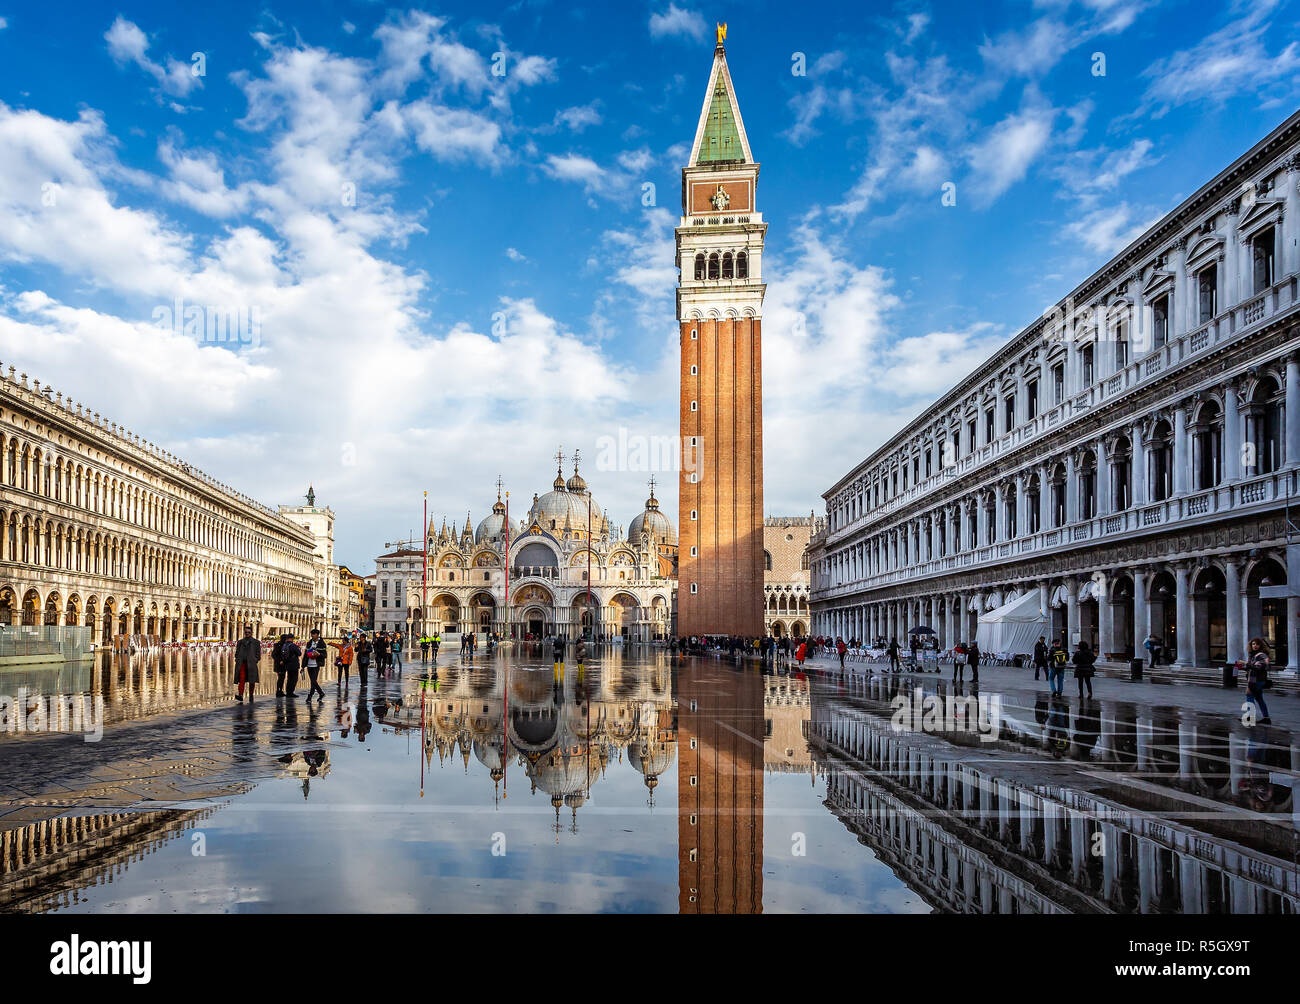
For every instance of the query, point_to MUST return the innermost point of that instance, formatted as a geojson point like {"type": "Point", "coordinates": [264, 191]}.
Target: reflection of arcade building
{"type": "Point", "coordinates": [630, 594]}
{"type": "Point", "coordinates": [974, 837]}
{"type": "Point", "coordinates": [563, 736]}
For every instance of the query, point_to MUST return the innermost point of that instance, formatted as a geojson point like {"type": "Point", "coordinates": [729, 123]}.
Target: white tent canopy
{"type": "Point", "coordinates": [1014, 627]}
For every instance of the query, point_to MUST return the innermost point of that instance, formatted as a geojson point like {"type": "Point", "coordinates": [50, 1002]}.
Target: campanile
{"type": "Point", "coordinates": [719, 310]}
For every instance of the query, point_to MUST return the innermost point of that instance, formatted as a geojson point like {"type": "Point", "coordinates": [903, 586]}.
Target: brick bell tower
{"type": "Point", "coordinates": [720, 308]}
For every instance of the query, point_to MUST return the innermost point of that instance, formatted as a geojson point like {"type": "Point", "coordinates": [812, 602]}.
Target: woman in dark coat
{"type": "Point", "coordinates": [1083, 662]}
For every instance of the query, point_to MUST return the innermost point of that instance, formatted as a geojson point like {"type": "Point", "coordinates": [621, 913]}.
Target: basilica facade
{"type": "Point", "coordinates": [561, 568]}
{"type": "Point", "coordinates": [1123, 469]}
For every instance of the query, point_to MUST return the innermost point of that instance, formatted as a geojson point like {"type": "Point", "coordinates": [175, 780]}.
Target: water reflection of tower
{"type": "Point", "coordinates": [720, 730]}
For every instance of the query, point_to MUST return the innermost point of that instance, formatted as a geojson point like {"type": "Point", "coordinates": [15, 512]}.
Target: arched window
{"type": "Point", "coordinates": [1088, 486]}
{"type": "Point", "coordinates": [728, 266]}
{"type": "Point", "coordinates": [1207, 446]}
{"type": "Point", "coordinates": [699, 266]}
{"type": "Point", "coordinates": [1121, 479]}
{"type": "Point", "coordinates": [742, 265]}
{"type": "Point", "coordinates": [713, 265]}
{"type": "Point", "coordinates": [1160, 463]}
{"type": "Point", "coordinates": [767, 560]}
{"type": "Point", "coordinates": [1265, 416]}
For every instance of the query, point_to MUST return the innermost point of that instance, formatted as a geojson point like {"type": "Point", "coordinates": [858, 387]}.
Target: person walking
{"type": "Point", "coordinates": [1152, 645]}
{"type": "Point", "coordinates": [1058, 657]}
{"type": "Point", "coordinates": [841, 648]}
{"type": "Point", "coordinates": [277, 664]}
{"type": "Point", "coordinates": [973, 656]}
{"type": "Point", "coordinates": [1257, 666]}
{"type": "Point", "coordinates": [1083, 667]}
{"type": "Point", "coordinates": [424, 649]}
{"type": "Point", "coordinates": [248, 653]}
{"type": "Point", "coordinates": [363, 651]}
{"type": "Point", "coordinates": [397, 651]}
{"type": "Point", "coordinates": [1040, 657]}
{"type": "Point", "coordinates": [958, 662]}
{"type": "Point", "coordinates": [343, 662]}
{"type": "Point", "coordinates": [313, 658]}
{"type": "Point", "coordinates": [290, 656]}
{"type": "Point", "coordinates": [893, 655]}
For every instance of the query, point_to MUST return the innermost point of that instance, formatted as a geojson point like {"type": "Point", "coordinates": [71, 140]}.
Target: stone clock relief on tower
{"type": "Point", "coordinates": [720, 309]}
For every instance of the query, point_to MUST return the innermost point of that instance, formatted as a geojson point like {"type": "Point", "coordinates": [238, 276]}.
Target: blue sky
{"type": "Point", "coordinates": [455, 270]}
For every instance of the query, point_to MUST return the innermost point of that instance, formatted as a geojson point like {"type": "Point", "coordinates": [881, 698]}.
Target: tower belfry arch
{"type": "Point", "coordinates": [719, 309]}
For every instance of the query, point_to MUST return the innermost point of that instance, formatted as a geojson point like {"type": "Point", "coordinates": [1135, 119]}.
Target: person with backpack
{"type": "Point", "coordinates": [1058, 658]}
{"type": "Point", "coordinates": [277, 664]}
{"type": "Point", "coordinates": [958, 662]}
{"type": "Point", "coordinates": [1083, 667]}
{"type": "Point", "coordinates": [290, 657]}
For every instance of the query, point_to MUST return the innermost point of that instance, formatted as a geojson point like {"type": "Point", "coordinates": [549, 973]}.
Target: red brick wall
{"type": "Point", "coordinates": [728, 497]}
{"type": "Point", "coordinates": [720, 816]}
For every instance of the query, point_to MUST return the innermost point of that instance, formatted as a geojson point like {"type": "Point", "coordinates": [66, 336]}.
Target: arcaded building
{"type": "Point", "coordinates": [786, 611]}
{"type": "Point", "coordinates": [1130, 458]}
{"type": "Point", "coordinates": [101, 528]}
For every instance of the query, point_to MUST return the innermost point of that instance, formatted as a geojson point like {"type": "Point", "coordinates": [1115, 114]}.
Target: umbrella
{"type": "Point", "coordinates": [921, 629]}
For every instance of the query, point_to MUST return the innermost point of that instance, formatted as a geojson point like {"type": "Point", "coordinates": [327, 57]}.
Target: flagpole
{"type": "Point", "coordinates": [424, 573]}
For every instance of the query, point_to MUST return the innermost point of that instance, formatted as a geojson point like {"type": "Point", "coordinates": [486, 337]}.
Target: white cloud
{"type": "Point", "coordinates": [455, 134]}
{"type": "Point", "coordinates": [1031, 51]}
{"type": "Point", "coordinates": [516, 255]}
{"type": "Point", "coordinates": [930, 364]}
{"type": "Point", "coordinates": [1107, 231]}
{"type": "Point", "coordinates": [1233, 60]}
{"type": "Point", "coordinates": [128, 44]}
{"type": "Point", "coordinates": [579, 117]}
{"type": "Point", "coordinates": [1005, 155]}
{"type": "Point", "coordinates": [678, 21]}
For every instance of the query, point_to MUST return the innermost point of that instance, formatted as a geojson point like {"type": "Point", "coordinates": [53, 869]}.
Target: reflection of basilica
{"type": "Point", "coordinates": [562, 730]}
{"type": "Point", "coordinates": [563, 536]}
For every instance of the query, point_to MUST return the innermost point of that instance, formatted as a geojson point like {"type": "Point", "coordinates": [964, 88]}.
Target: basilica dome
{"type": "Point", "coordinates": [565, 504]}
{"type": "Point", "coordinates": [659, 526]}
{"type": "Point", "coordinates": [492, 526]}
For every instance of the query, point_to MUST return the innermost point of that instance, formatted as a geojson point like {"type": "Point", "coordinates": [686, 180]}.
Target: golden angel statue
{"type": "Point", "coordinates": [722, 32]}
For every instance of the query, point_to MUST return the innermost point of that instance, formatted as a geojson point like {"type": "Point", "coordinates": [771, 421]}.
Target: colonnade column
{"type": "Point", "coordinates": [1141, 611]}
{"type": "Point", "coordinates": [1183, 607]}
{"type": "Point", "coordinates": [1232, 434]}
{"type": "Point", "coordinates": [1233, 601]}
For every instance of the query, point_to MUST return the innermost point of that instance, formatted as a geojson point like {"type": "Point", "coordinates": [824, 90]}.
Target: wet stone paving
{"type": "Point", "coordinates": [640, 783]}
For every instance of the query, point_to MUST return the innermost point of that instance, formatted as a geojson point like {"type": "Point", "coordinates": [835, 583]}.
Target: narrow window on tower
{"type": "Point", "coordinates": [728, 266]}
{"type": "Point", "coordinates": [695, 588]}
{"type": "Point", "coordinates": [699, 269]}
{"type": "Point", "coordinates": [742, 265]}
{"type": "Point", "coordinates": [694, 514]}
{"type": "Point", "coordinates": [695, 370]}
{"type": "Point", "coordinates": [695, 333]}
{"type": "Point", "coordinates": [713, 265]}
{"type": "Point", "coordinates": [695, 406]}
{"type": "Point", "coordinates": [695, 551]}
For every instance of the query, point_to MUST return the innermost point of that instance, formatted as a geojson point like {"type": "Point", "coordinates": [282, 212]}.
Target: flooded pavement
{"type": "Point", "coordinates": [635, 784]}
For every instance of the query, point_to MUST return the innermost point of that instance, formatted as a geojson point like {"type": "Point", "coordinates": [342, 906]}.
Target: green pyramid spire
{"type": "Point", "coordinates": [721, 139]}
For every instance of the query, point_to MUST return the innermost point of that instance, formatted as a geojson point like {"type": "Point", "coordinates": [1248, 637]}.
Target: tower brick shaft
{"type": "Point", "coordinates": [719, 310]}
